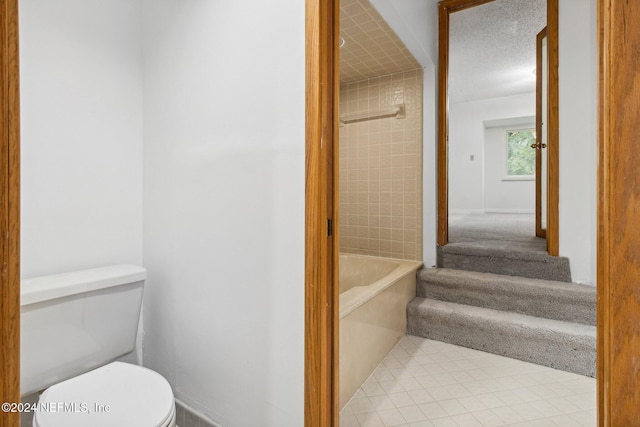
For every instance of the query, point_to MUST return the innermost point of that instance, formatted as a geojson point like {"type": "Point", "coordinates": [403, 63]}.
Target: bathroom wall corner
{"type": "Point", "coordinates": [429, 167]}
{"type": "Point", "coordinates": [186, 416]}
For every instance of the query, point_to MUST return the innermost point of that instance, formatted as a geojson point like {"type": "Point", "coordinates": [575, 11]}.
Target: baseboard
{"type": "Point", "coordinates": [510, 211]}
{"type": "Point", "coordinates": [465, 211]}
{"type": "Point", "coordinates": [490, 210]}
{"type": "Point", "coordinates": [186, 416]}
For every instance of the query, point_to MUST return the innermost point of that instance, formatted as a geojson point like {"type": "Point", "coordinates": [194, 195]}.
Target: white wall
{"type": "Point", "coordinates": [81, 124]}
{"type": "Point", "coordinates": [502, 193]}
{"type": "Point", "coordinates": [416, 23]}
{"type": "Point", "coordinates": [466, 139]}
{"type": "Point", "coordinates": [224, 206]}
{"type": "Point", "coordinates": [578, 136]}
{"type": "Point", "coordinates": [224, 192]}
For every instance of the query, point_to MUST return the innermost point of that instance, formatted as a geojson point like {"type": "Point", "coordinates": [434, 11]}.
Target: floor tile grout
{"type": "Point", "coordinates": [425, 383]}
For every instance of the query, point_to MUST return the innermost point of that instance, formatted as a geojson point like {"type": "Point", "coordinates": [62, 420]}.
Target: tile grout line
{"type": "Point", "coordinates": [571, 396]}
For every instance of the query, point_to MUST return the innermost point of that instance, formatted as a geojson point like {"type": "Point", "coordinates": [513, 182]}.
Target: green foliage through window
{"type": "Point", "coordinates": [521, 158]}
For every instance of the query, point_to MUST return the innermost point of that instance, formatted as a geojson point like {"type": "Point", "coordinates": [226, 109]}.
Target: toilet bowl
{"type": "Point", "coordinates": [117, 394]}
{"type": "Point", "coordinates": [73, 328]}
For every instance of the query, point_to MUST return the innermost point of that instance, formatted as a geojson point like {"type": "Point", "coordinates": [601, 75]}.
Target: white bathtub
{"type": "Point", "coordinates": [374, 293]}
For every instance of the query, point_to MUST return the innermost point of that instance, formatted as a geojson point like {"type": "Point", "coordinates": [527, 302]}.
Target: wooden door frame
{"type": "Point", "coordinates": [321, 220]}
{"type": "Point", "coordinates": [446, 8]}
{"type": "Point", "coordinates": [618, 370]}
{"type": "Point", "coordinates": [9, 210]}
{"type": "Point", "coordinates": [540, 232]}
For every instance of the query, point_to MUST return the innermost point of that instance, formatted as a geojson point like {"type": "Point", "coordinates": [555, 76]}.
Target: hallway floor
{"type": "Point", "coordinates": [429, 383]}
{"type": "Point", "coordinates": [496, 230]}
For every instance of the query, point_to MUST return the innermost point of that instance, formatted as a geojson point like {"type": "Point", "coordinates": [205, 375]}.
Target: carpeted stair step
{"type": "Point", "coordinates": [569, 302]}
{"type": "Point", "coordinates": [554, 343]}
{"type": "Point", "coordinates": [513, 262]}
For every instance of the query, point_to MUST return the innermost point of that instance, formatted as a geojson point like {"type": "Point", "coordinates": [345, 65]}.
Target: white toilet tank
{"type": "Point", "coordinates": [74, 322]}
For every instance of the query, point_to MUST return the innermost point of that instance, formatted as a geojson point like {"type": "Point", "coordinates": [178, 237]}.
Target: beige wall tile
{"type": "Point", "coordinates": [381, 168]}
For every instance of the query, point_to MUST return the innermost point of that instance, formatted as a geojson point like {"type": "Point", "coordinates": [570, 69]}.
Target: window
{"type": "Point", "coordinates": [521, 158]}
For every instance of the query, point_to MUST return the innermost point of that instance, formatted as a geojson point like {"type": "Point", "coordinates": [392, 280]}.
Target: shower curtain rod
{"type": "Point", "coordinates": [397, 111]}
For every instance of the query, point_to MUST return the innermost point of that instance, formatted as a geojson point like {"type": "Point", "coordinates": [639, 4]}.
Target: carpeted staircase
{"type": "Point", "coordinates": [550, 323]}
{"type": "Point", "coordinates": [489, 257]}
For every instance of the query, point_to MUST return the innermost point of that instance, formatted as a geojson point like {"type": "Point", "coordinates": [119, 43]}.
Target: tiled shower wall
{"type": "Point", "coordinates": [381, 168]}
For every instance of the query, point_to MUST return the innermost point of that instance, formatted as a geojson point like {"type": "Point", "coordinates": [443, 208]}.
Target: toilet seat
{"type": "Point", "coordinates": [136, 397]}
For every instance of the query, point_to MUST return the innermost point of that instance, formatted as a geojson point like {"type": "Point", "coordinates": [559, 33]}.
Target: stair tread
{"type": "Point", "coordinates": [469, 248]}
{"type": "Point", "coordinates": [550, 285]}
{"type": "Point", "coordinates": [475, 257]}
{"type": "Point", "coordinates": [556, 343]}
{"type": "Point", "coordinates": [465, 278]}
{"type": "Point", "coordinates": [541, 298]}
{"type": "Point", "coordinates": [526, 321]}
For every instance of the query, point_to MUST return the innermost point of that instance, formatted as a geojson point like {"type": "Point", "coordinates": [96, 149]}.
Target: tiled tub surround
{"type": "Point", "coordinates": [374, 293]}
{"type": "Point", "coordinates": [381, 168]}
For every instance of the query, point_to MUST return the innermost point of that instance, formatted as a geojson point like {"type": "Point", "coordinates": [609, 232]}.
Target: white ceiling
{"type": "Point", "coordinates": [492, 50]}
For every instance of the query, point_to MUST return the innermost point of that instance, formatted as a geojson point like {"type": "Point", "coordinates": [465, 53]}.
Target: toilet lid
{"type": "Point", "coordinates": [117, 394]}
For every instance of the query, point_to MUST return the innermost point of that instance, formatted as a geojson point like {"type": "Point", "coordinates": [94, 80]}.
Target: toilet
{"type": "Point", "coordinates": [73, 328]}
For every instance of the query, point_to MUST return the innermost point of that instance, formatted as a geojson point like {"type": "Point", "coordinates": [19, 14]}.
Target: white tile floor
{"type": "Point", "coordinates": [429, 383]}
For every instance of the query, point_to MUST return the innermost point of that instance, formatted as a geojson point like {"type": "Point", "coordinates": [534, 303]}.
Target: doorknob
{"type": "Point", "coordinates": [538, 145]}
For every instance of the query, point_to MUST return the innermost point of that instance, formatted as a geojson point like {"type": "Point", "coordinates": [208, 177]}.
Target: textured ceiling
{"type": "Point", "coordinates": [371, 48]}
{"type": "Point", "coordinates": [492, 50]}
{"type": "Point", "coordinates": [492, 47]}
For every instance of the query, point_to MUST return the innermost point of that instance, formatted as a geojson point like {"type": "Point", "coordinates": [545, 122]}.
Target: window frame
{"type": "Point", "coordinates": [506, 175]}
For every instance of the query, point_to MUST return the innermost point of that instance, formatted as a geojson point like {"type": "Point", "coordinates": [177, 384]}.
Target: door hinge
{"type": "Point", "coordinates": [329, 227]}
